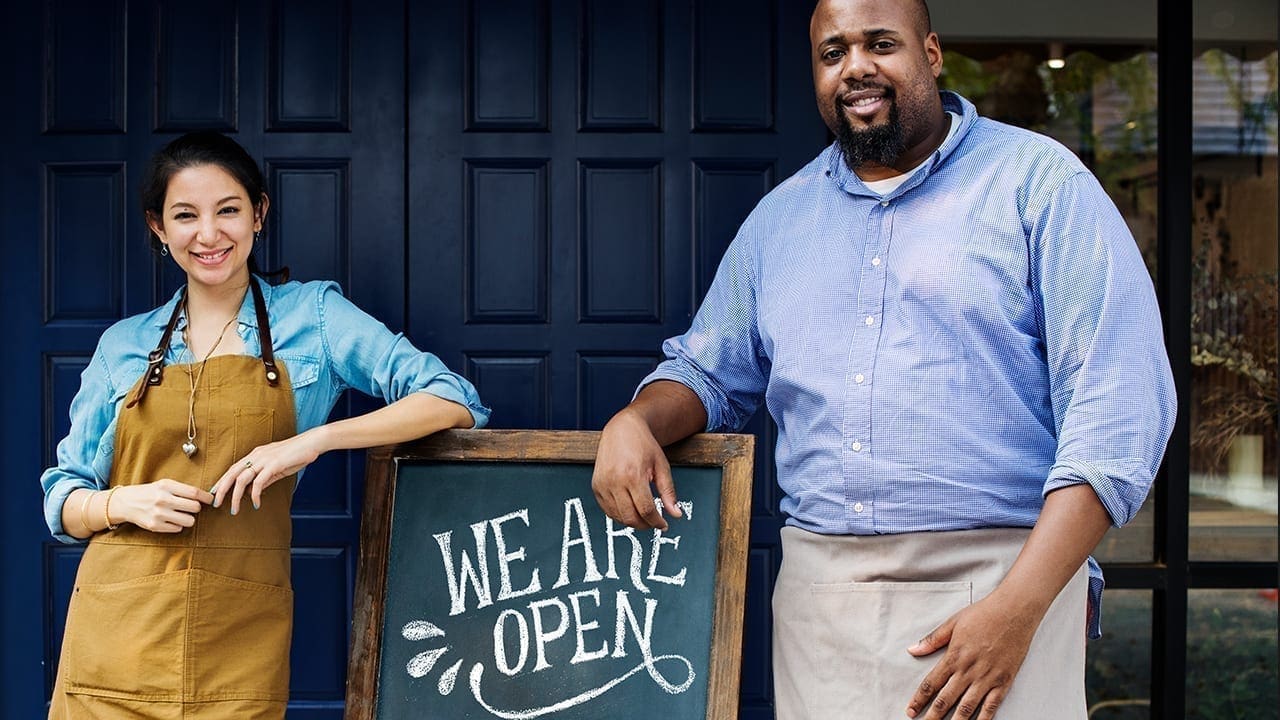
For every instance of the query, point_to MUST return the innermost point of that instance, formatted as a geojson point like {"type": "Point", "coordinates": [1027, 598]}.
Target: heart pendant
{"type": "Point", "coordinates": [189, 448]}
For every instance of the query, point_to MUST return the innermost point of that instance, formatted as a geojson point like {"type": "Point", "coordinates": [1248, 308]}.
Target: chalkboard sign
{"type": "Point", "coordinates": [490, 584]}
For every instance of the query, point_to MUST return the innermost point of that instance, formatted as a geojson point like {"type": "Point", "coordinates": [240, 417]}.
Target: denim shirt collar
{"type": "Point", "coordinates": [849, 181]}
{"type": "Point", "coordinates": [246, 320]}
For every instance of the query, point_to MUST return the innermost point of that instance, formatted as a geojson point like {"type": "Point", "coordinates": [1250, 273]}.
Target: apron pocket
{"type": "Point", "coordinates": [125, 639]}
{"type": "Point", "coordinates": [253, 427]}
{"type": "Point", "coordinates": [861, 661]}
{"type": "Point", "coordinates": [240, 634]}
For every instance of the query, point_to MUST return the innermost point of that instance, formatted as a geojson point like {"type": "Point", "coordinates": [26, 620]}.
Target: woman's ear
{"type": "Point", "coordinates": [260, 213]}
{"type": "Point", "coordinates": [156, 225]}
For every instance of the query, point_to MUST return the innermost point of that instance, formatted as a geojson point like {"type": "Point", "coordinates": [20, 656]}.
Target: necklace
{"type": "Point", "coordinates": [189, 447]}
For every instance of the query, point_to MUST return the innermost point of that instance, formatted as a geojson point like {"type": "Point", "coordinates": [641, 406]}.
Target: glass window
{"type": "Point", "coordinates": [1118, 666]}
{"type": "Point", "coordinates": [1233, 293]}
{"type": "Point", "coordinates": [1231, 654]}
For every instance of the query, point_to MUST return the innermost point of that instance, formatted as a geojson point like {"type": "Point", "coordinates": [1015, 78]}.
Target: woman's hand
{"type": "Point", "coordinates": [165, 506]}
{"type": "Point", "coordinates": [264, 465]}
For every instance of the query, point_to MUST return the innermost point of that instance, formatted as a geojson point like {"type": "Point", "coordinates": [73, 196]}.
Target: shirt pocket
{"type": "Point", "coordinates": [304, 371]}
{"type": "Point", "coordinates": [861, 658]}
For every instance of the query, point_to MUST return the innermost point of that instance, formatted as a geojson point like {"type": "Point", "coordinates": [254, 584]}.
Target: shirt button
{"type": "Point", "coordinates": [856, 446]}
{"type": "Point", "coordinates": [875, 261]}
{"type": "Point", "coordinates": [858, 378]}
{"type": "Point", "coordinates": [870, 321]}
{"type": "Point", "coordinates": [884, 203]}
{"type": "Point", "coordinates": [857, 507]}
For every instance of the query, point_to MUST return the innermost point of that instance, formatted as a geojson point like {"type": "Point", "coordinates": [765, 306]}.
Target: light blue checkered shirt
{"type": "Point", "coordinates": [941, 357]}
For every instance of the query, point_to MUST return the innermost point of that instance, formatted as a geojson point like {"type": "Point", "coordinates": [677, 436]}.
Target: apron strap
{"type": "Point", "coordinates": [264, 333]}
{"type": "Point", "coordinates": [155, 358]}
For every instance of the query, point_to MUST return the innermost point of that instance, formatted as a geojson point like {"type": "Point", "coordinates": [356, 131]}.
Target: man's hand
{"type": "Point", "coordinates": [986, 644]}
{"type": "Point", "coordinates": [628, 463]}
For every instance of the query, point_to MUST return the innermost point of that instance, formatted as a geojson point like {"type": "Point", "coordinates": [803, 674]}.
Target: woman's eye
{"type": "Point", "coordinates": [183, 216]}
{"type": "Point", "coordinates": [229, 211]}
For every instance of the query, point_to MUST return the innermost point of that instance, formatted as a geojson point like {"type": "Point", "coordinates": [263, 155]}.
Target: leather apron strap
{"type": "Point", "coordinates": [155, 358]}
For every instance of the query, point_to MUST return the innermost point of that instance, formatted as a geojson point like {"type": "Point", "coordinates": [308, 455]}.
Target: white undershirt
{"type": "Point", "coordinates": [888, 185]}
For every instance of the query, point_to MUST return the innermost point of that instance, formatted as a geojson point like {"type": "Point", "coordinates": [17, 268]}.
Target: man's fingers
{"type": "Point", "coordinates": [937, 639]}
{"type": "Point", "coordinates": [666, 488]}
{"type": "Point", "coordinates": [642, 500]}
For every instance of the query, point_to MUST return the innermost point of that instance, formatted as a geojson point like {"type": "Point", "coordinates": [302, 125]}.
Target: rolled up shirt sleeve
{"type": "Point", "coordinates": [1111, 386]}
{"type": "Point", "coordinates": [720, 358]}
{"type": "Point", "coordinates": [81, 462]}
{"type": "Point", "coordinates": [367, 356]}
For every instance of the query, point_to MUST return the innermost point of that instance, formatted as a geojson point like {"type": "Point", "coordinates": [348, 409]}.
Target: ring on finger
{"type": "Point", "coordinates": [248, 464]}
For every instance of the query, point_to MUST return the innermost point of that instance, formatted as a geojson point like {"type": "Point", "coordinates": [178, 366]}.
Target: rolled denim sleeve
{"type": "Point", "coordinates": [367, 356]}
{"type": "Point", "coordinates": [720, 358]}
{"type": "Point", "coordinates": [1110, 383]}
{"type": "Point", "coordinates": [92, 415]}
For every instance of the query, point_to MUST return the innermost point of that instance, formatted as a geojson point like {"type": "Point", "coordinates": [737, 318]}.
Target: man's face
{"type": "Point", "coordinates": [875, 75]}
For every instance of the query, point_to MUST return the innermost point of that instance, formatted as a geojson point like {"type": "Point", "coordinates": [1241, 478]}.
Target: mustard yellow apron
{"type": "Point", "coordinates": [195, 624]}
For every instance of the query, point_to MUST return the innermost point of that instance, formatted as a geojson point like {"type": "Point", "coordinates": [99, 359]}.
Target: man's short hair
{"type": "Point", "coordinates": [923, 22]}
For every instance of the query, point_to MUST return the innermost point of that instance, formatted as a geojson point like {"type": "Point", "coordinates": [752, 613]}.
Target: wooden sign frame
{"type": "Point", "coordinates": [733, 453]}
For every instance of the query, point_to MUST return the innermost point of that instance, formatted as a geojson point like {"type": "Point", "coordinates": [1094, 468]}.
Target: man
{"type": "Point", "coordinates": [955, 333]}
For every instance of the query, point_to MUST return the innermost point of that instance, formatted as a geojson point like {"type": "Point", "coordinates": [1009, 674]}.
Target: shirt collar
{"type": "Point", "coordinates": [849, 181]}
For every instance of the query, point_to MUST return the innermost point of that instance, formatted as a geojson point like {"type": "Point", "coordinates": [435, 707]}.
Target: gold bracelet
{"type": "Point", "coordinates": [84, 510]}
{"type": "Point", "coordinates": [106, 509]}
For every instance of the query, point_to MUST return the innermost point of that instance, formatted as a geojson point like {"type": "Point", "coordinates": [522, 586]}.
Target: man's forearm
{"type": "Point", "coordinates": [671, 410]}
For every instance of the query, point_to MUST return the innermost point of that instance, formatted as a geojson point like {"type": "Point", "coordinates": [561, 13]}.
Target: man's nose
{"type": "Point", "coordinates": [858, 65]}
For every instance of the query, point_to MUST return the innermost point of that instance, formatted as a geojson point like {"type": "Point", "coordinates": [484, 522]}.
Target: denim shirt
{"type": "Point", "coordinates": [943, 356]}
{"type": "Point", "coordinates": [323, 340]}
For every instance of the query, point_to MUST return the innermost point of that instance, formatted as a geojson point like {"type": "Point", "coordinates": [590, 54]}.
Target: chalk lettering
{"type": "Point", "coordinates": [504, 558]}
{"type": "Point", "coordinates": [574, 515]}
{"type": "Point", "coordinates": [611, 531]}
{"type": "Point", "coordinates": [581, 655]}
{"type": "Point", "coordinates": [540, 635]}
{"type": "Point", "coordinates": [500, 646]}
{"type": "Point", "coordinates": [479, 580]}
{"type": "Point", "coordinates": [627, 613]}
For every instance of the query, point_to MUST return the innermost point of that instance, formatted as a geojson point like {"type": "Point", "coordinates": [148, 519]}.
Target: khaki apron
{"type": "Point", "coordinates": [846, 607]}
{"type": "Point", "coordinates": [195, 624]}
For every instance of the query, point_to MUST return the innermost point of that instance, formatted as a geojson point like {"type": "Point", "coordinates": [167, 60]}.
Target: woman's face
{"type": "Point", "coordinates": [208, 223]}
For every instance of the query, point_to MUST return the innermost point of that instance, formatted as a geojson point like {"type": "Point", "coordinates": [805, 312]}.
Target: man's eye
{"type": "Point", "coordinates": [882, 45]}
{"type": "Point", "coordinates": [833, 55]}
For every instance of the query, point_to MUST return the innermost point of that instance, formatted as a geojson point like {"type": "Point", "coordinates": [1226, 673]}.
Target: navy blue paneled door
{"type": "Point", "coordinates": [537, 190]}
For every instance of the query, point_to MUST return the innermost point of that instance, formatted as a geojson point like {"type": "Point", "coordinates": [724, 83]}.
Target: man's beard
{"type": "Point", "coordinates": [879, 144]}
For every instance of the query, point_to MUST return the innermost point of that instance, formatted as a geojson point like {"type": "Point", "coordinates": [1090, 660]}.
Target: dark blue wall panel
{"type": "Point", "coordinates": [84, 65]}
{"type": "Point", "coordinates": [196, 66]}
{"type": "Point", "coordinates": [515, 388]}
{"type": "Point", "coordinates": [621, 241]}
{"type": "Point", "coordinates": [621, 77]}
{"type": "Point", "coordinates": [605, 384]}
{"type": "Point", "coordinates": [84, 242]}
{"type": "Point", "coordinates": [506, 236]}
{"type": "Point", "coordinates": [507, 79]}
{"type": "Point", "coordinates": [733, 64]}
{"type": "Point", "coordinates": [309, 75]}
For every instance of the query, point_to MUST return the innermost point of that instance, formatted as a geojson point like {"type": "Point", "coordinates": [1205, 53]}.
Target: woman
{"type": "Point", "coordinates": [185, 416]}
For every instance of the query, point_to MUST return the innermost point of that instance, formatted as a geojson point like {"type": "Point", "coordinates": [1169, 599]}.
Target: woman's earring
{"type": "Point", "coordinates": [164, 250]}
{"type": "Point", "coordinates": [256, 234]}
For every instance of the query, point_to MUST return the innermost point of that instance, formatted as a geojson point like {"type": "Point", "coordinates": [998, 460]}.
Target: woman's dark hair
{"type": "Point", "coordinates": [203, 147]}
